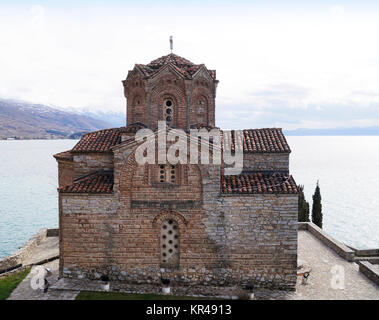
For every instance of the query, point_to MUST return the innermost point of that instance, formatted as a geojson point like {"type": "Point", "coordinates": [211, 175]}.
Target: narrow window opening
{"type": "Point", "coordinates": [167, 173]}
{"type": "Point", "coordinates": [168, 111]}
{"type": "Point", "coordinates": [169, 244]}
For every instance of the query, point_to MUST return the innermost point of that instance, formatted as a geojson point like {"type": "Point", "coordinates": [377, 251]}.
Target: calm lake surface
{"type": "Point", "coordinates": [347, 168]}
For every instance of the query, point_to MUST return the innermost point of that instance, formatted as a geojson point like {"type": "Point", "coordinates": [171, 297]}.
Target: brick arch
{"type": "Point", "coordinates": [167, 215]}
{"type": "Point", "coordinates": [195, 107]}
{"type": "Point", "coordinates": [135, 93]}
{"type": "Point", "coordinates": [201, 91]}
{"type": "Point", "coordinates": [198, 92]}
{"type": "Point", "coordinates": [159, 93]}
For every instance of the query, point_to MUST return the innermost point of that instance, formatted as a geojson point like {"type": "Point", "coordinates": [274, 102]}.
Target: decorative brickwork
{"type": "Point", "coordinates": [191, 88]}
{"type": "Point", "coordinates": [186, 222]}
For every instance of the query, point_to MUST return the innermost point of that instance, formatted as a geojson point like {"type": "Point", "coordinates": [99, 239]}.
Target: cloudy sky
{"type": "Point", "coordinates": [291, 64]}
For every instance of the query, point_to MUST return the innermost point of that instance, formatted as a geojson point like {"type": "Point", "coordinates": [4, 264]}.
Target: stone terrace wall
{"type": "Point", "coordinates": [23, 252]}
{"type": "Point", "coordinates": [266, 161]}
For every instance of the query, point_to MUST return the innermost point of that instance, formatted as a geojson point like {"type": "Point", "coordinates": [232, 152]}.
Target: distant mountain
{"type": "Point", "coordinates": [22, 120]}
{"type": "Point", "coordinates": [369, 131]}
{"type": "Point", "coordinates": [116, 119]}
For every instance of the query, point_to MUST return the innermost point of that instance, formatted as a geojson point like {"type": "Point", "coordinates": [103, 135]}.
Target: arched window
{"type": "Point", "coordinates": [168, 111]}
{"type": "Point", "coordinates": [201, 110]}
{"type": "Point", "coordinates": [137, 100]}
{"type": "Point", "coordinates": [169, 243]}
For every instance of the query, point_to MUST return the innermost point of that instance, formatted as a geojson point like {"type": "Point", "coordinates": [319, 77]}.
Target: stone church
{"type": "Point", "coordinates": [190, 223]}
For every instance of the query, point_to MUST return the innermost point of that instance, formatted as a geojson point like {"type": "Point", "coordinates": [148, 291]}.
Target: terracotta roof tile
{"type": "Point", "coordinates": [269, 140]}
{"type": "Point", "coordinates": [256, 182]}
{"type": "Point", "coordinates": [184, 66]}
{"type": "Point", "coordinates": [65, 155]}
{"type": "Point", "coordinates": [98, 182]}
{"type": "Point", "coordinates": [99, 141]}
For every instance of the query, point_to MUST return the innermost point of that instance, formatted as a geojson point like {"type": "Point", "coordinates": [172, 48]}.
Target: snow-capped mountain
{"type": "Point", "coordinates": [23, 120]}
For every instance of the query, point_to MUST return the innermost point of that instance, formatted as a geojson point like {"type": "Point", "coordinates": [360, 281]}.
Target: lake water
{"type": "Point", "coordinates": [347, 168]}
{"type": "Point", "coordinates": [348, 172]}
{"type": "Point", "coordinates": [28, 189]}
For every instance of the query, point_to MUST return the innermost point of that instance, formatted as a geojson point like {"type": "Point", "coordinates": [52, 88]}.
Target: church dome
{"type": "Point", "coordinates": [184, 66]}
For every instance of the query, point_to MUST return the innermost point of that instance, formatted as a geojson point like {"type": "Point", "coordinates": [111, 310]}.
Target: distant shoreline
{"type": "Point", "coordinates": [288, 134]}
{"type": "Point", "coordinates": [25, 139]}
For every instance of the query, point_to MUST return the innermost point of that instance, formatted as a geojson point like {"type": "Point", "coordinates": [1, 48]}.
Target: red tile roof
{"type": "Point", "coordinates": [98, 182]}
{"type": "Point", "coordinates": [98, 141]}
{"type": "Point", "coordinates": [65, 155]}
{"type": "Point", "coordinates": [270, 140]}
{"type": "Point", "coordinates": [184, 66]}
{"type": "Point", "coordinates": [255, 182]}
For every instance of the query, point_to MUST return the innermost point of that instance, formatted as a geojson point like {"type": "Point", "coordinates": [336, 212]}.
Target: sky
{"type": "Point", "coordinates": [289, 64]}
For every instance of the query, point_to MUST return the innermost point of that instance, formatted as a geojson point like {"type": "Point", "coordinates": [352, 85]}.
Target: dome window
{"type": "Point", "coordinates": [168, 111]}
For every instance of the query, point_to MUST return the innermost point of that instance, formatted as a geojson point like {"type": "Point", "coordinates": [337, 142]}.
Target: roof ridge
{"type": "Point", "coordinates": [106, 129]}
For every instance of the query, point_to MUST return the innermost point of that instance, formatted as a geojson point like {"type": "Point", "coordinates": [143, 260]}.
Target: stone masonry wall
{"type": "Point", "coordinates": [266, 161]}
{"type": "Point", "coordinates": [248, 241]}
{"type": "Point", "coordinates": [85, 163]}
{"type": "Point", "coordinates": [65, 173]}
{"type": "Point", "coordinates": [261, 237]}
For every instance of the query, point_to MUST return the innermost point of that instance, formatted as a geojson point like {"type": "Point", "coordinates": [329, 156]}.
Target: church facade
{"type": "Point", "coordinates": [190, 223]}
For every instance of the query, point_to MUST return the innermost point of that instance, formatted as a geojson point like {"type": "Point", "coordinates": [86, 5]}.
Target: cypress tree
{"type": "Point", "coordinates": [303, 206]}
{"type": "Point", "coordinates": [317, 208]}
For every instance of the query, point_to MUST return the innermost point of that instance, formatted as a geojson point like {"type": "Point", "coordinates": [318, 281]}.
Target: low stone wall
{"type": "Point", "coordinates": [7, 274]}
{"type": "Point", "coordinates": [369, 270]}
{"type": "Point", "coordinates": [365, 252]}
{"type": "Point", "coordinates": [303, 226]}
{"type": "Point", "coordinates": [341, 249]}
{"type": "Point", "coordinates": [24, 252]}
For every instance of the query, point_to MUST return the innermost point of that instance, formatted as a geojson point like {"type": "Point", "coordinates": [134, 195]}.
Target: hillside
{"type": "Point", "coordinates": [23, 120]}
